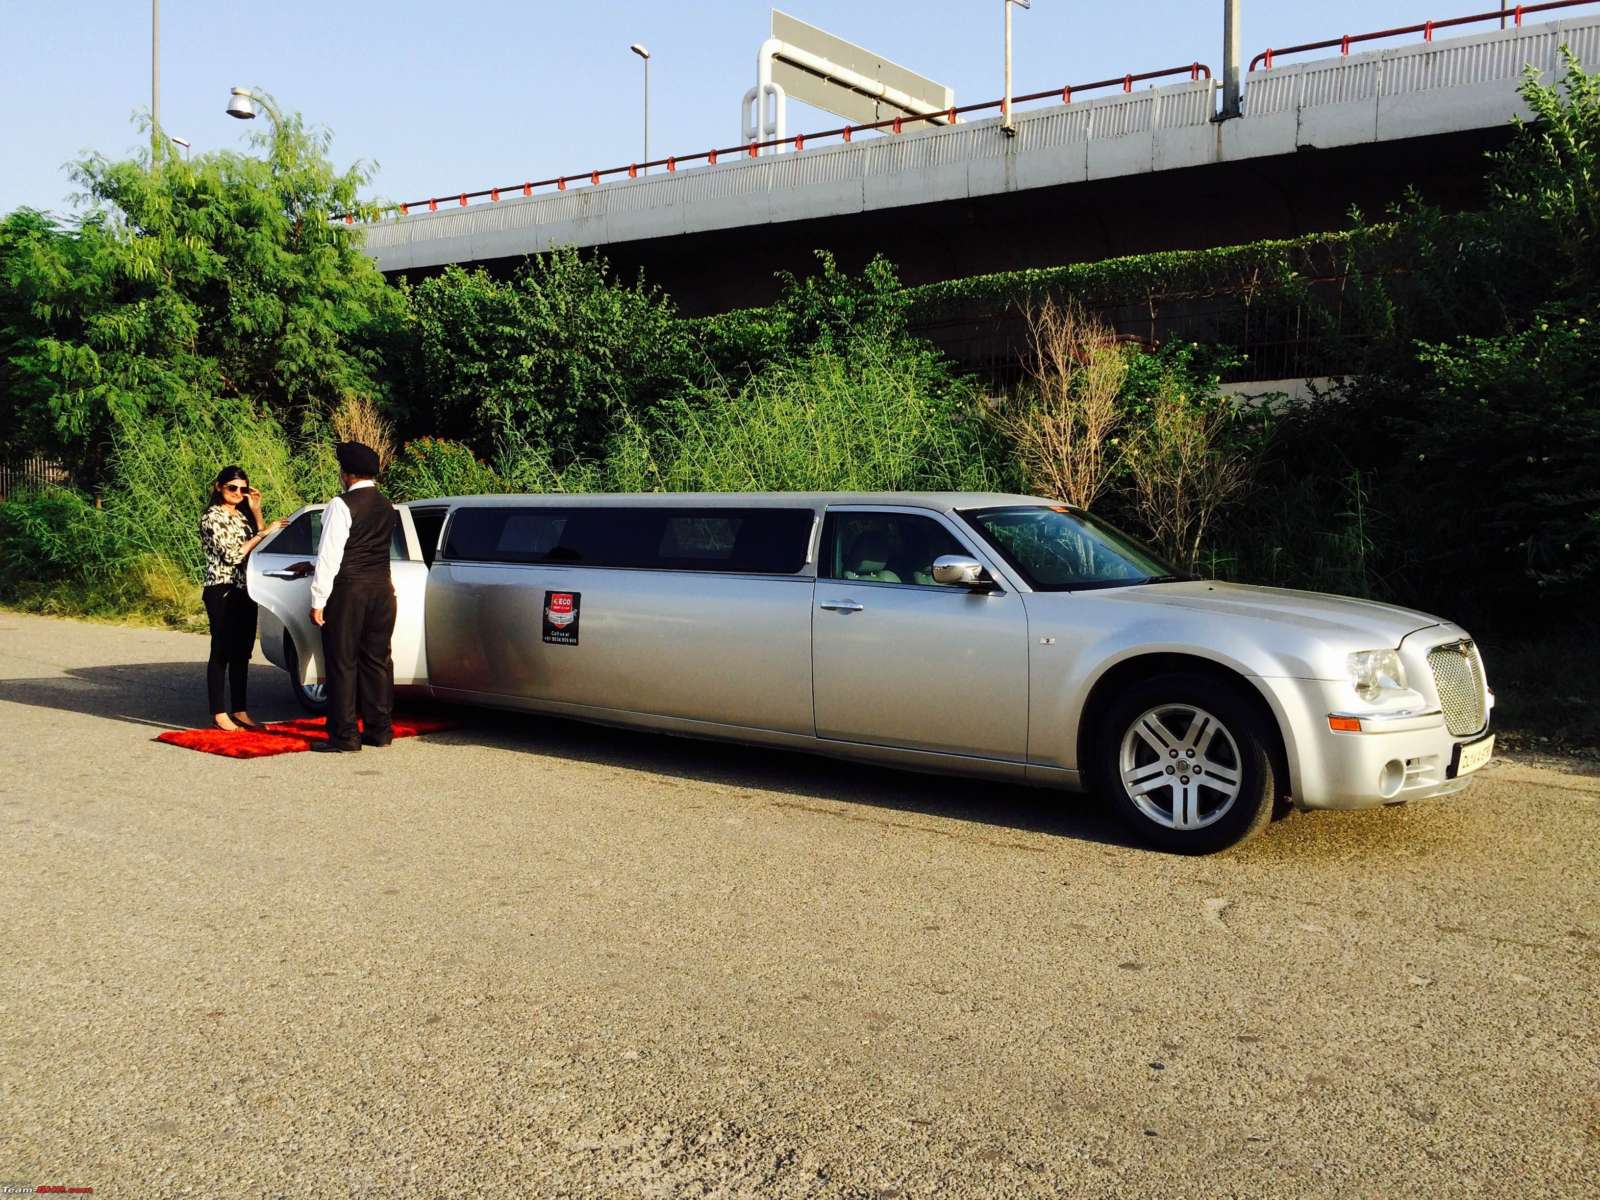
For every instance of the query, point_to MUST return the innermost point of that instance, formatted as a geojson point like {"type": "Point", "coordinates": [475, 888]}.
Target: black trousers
{"type": "Point", "coordinates": [358, 625]}
{"type": "Point", "coordinates": [233, 637]}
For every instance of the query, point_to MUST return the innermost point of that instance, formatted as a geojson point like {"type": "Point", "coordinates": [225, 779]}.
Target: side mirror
{"type": "Point", "coordinates": [958, 571]}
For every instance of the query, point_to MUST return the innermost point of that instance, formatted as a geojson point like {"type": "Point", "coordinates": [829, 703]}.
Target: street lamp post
{"type": "Point", "coordinates": [1006, 124]}
{"type": "Point", "coordinates": [1232, 96]}
{"type": "Point", "coordinates": [645, 55]}
{"type": "Point", "coordinates": [155, 82]}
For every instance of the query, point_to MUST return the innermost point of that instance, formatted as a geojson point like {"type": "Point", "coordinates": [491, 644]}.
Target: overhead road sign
{"type": "Point", "coordinates": [905, 90]}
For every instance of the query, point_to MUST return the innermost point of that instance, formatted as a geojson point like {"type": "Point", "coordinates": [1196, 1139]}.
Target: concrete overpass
{"type": "Point", "coordinates": [1145, 170]}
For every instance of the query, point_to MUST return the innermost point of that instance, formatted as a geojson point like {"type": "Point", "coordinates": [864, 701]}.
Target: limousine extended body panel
{"type": "Point", "coordinates": [726, 649]}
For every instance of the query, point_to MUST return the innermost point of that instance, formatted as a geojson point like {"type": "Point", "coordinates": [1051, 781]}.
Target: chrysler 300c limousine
{"type": "Point", "coordinates": [998, 636]}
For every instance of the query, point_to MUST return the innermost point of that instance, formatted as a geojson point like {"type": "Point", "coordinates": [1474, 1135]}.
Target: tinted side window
{"type": "Point", "coordinates": [428, 522]}
{"type": "Point", "coordinates": [398, 550]}
{"type": "Point", "coordinates": [886, 547]}
{"type": "Point", "coordinates": [508, 535]}
{"type": "Point", "coordinates": [746, 540]}
{"type": "Point", "coordinates": [300, 537]}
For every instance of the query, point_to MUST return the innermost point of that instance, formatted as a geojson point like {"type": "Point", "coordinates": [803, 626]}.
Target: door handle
{"type": "Point", "coordinates": [845, 606]}
{"type": "Point", "coordinates": [280, 575]}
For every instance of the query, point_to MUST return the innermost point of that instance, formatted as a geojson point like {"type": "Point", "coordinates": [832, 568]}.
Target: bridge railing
{"type": "Point", "coordinates": [844, 133]}
{"type": "Point", "coordinates": [1065, 94]}
{"type": "Point", "coordinates": [1427, 29]}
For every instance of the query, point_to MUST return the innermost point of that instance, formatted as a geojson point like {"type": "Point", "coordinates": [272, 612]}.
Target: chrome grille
{"type": "Point", "coordinates": [1458, 676]}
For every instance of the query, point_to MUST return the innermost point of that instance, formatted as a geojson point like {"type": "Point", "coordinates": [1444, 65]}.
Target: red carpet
{"type": "Point", "coordinates": [283, 737]}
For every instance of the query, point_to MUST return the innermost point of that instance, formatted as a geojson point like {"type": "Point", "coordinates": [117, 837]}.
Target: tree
{"type": "Point", "coordinates": [183, 284]}
{"type": "Point", "coordinates": [1548, 179]}
{"type": "Point", "coordinates": [549, 358]}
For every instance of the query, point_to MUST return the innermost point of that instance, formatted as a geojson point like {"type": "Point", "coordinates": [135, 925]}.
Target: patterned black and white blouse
{"type": "Point", "coordinates": [223, 533]}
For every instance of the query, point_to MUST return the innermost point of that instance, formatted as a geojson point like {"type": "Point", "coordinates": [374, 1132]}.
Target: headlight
{"type": "Point", "coordinates": [1374, 671]}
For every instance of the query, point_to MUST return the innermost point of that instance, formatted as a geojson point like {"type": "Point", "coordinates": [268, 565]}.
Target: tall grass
{"type": "Point", "coordinates": [162, 473]}
{"type": "Point", "coordinates": [139, 549]}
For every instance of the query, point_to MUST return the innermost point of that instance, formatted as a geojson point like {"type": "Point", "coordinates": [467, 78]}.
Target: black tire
{"type": "Point", "coordinates": [314, 700]}
{"type": "Point", "coordinates": [1179, 807]}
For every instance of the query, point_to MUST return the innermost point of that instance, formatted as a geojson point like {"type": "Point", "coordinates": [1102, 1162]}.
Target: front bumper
{"type": "Point", "coordinates": [1393, 758]}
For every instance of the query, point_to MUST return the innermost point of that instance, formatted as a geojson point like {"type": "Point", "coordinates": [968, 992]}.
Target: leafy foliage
{"type": "Point", "coordinates": [185, 283]}
{"type": "Point", "coordinates": [1278, 267]}
{"type": "Point", "coordinates": [1551, 173]}
{"type": "Point", "coordinates": [550, 356]}
{"type": "Point", "coordinates": [428, 467]}
{"type": "Point", "coordinates": [1507, 431]}
{"type": "Point", "coordinates": [1189, 450]}
{"type": "Point", "coordinates": [867, 416]}
{"type": "Point", "coordinates": [210, 313]}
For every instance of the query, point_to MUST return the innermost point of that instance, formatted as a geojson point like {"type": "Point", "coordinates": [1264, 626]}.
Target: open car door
{"type": "Point", "coordinates": [279, 579]}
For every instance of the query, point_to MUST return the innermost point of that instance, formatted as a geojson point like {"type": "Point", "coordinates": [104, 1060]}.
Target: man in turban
{"type": "Point", "coordinates": [352, 599]}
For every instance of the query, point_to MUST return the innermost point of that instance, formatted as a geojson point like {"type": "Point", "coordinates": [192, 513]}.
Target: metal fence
{"type": "Point", "coordinates": [30, 474]}
{"type": "Point", "coordinates": [1269, 337]}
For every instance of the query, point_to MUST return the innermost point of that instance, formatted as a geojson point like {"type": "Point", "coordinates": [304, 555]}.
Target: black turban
{"type": "Point", "coordinates": [357, 458]}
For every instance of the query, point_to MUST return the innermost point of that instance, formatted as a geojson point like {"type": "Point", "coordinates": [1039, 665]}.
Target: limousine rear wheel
{"type": "Point", "coordinates": [1185, 759]}
{"type": "Point", "coordinates": [313, 697]}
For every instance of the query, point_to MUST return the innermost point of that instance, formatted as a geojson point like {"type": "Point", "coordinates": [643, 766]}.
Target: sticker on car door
{"type": "Point", "coordinates": [561, 618]}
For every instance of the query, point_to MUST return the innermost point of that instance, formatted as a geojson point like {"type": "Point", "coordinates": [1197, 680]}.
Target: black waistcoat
{"type": "Point", "coordinates": [366, 551]}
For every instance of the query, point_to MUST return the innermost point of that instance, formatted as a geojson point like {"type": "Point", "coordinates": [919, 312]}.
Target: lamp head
{"type": "Point", "coordinates": [241, 104]}
{"type": "Point", "coordinates": [639, 50]}
{"type": "Point", "coordinates": [178, 141]}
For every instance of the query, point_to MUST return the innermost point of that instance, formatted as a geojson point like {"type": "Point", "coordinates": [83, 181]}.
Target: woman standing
{"type": "Point", "coordinates": [230, 528]}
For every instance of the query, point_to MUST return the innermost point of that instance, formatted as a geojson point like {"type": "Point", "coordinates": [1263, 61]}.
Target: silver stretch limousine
{"type": "Point", "coordinates": [999, 636]}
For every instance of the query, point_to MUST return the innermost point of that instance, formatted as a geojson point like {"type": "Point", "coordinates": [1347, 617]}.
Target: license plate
{"type": "Point", "coordinates": [1472, 755]}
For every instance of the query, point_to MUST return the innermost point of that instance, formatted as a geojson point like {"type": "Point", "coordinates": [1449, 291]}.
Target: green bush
{"type": "Point", "coordinates": [1503, 484]}
{"type": "Point", "coordinates": [548, 357]}
{"type": "Point", "coordinates": [60, 554]}
{"type": "Point", "coordinates": [139, 550]}
{"type": "Point", "coordinates": [429, 467]}
{"type": "Point", "coordinates": [873, 415]}
{"type": "Point", "coordinates": [53, 535]}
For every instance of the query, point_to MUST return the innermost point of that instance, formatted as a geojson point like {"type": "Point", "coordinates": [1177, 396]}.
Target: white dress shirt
{"type": "Point", "coordinates": [330, 553]}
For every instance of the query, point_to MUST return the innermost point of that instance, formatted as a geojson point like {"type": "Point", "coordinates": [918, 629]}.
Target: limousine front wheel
{"type": "Point", "coordinates": [1185, 759]}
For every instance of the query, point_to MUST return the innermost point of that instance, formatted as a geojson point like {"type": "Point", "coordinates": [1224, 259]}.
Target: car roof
{"type": "Point", "coordinates": [937, 501]}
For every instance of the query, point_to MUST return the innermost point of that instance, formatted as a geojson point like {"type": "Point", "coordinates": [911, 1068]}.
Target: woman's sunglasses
{"type": "Point", "coordinates": [236, 487]}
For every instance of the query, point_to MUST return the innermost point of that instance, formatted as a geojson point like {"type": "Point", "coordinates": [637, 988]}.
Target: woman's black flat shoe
{"type": "Point", "coordinates": [334, 748]}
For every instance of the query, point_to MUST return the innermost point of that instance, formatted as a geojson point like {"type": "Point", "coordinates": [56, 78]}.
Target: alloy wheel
{"type": "Point", "coordinates": [1180, 766]}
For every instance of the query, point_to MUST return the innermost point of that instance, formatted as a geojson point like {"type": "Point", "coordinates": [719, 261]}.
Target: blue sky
{"type": "Point", "coordinates": [447, 97]}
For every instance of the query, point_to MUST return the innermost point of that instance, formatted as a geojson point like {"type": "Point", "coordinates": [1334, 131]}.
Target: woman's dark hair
{"type": "Point", "coordinates": [228, 475]}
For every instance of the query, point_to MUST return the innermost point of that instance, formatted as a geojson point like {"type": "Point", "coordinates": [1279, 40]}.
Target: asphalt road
{"type": "Point", "coordinates": [532, 958]}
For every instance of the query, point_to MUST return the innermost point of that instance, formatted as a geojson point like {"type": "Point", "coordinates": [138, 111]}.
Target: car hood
{"type": "Point", "coordinates": [1363, 624]}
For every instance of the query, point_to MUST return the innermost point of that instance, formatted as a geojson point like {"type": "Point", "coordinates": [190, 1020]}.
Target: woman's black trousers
{"type": "Point", "coordinates": [233, 637]}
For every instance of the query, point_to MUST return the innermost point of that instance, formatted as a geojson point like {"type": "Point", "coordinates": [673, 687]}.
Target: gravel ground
{"type": "Point", "coordinates": [533, 958]}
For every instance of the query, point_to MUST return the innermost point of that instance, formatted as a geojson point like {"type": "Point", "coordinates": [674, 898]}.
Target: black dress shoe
{"type": "Point", "coordinates": [379, 742]}
{"type": "Point", "coordinates": [334, 748]}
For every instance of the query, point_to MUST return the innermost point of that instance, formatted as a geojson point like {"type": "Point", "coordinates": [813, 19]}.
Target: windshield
{"type": "Point", "coordinates": [1059, 549]}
